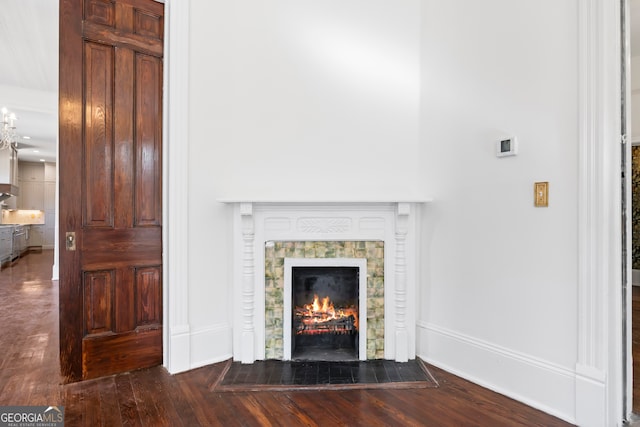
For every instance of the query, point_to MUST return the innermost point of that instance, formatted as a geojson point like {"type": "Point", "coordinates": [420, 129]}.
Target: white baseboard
{"type": "Point", "coordinates": [178, 350]}
{"type": "Point", "coordinates": [591, 397]}
{"type": "Point", "coordinates": [198, 348]}
{"type": "Point", "coordinates": [211, 345]}
{"type": "Point", "coordinates": [537, 383]}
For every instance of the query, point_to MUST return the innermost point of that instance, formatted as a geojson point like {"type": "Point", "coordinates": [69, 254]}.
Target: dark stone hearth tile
{"type": "Point", "coordinates": [365, 379]}
{"type": "Point", "coordinates": [392, 373]}
{"type": "Point", "coordinates": [323, 379]}
{"type": "Point", "coordinates": [261, 377]}
{"type": "Point", "coordinates": [309, 373]}
{"type": "Point", "coordinates": [341, 380]}
{"type": "Point", "coordinates": [287, 374]}
{"type": "Point", "coordinates": [340, 370]}
{"type": "Point", "coordinates": [306, 375]}
{"type": "Point", "coordinates": [410, 372]}
{"type": "Point", "coordinates": [275, 376]}
{"type": "Point", "coordinates": [381, 374]}
{"type": "Point", "coordinates": [324, 368]}
{"type": "Point", "coordinates": [365, 374]}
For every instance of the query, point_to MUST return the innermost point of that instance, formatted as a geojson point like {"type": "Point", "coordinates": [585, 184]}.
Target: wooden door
{"type": "Point", "coordinates": [110, 186]}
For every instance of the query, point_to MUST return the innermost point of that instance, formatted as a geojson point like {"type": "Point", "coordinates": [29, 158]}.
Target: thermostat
{"type": "Point", "coordinates": [507, 147]}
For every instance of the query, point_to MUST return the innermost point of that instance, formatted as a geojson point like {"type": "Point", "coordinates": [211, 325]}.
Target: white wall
{"type": "Point", "coordinates": [366, 99]}
{"type": "Point", "coordinates": [500, 290]}
{"type": "Point", "coordinates": [292, 99]}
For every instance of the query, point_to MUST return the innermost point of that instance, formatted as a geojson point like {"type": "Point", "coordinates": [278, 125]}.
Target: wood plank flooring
{"type": "Point", "coordinates": [29, 375]}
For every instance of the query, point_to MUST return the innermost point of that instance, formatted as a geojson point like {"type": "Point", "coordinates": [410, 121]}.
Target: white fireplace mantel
{"type": "Point", "coordinates": [259, 221]}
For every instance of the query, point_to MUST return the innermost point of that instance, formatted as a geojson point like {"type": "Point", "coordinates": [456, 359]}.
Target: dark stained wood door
{"type": "Point", "coordinates": [111, 64]}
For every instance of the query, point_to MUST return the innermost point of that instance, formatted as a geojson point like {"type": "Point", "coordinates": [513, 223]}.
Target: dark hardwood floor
{"type": "Point", "coordinates": [29, 375]}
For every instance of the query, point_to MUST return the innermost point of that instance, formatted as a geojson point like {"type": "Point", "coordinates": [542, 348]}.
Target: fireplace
{"type": "Point", "coordinates": [325, 309]}
{"type": "Point", "coordinates": [379, 235]}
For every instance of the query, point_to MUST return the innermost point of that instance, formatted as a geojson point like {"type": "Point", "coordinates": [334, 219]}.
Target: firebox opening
{"type": "Point", "coordinates": [325, 313]}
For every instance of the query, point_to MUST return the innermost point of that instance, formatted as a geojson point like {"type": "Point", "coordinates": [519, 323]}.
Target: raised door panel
{"type": "Point", "coordinates": [98, 302]}
{"type": "Point", "coordinates": [148, 180]}
{"type": "Point", "coordinates": [98, 130]}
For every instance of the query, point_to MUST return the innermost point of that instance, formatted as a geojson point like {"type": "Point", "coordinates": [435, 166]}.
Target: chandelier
{"type": "Point", "coordinates": [8, 134]}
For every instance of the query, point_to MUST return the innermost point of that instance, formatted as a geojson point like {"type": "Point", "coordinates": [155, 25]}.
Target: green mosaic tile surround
{"type": "Point", "coordinates": [276, 252]}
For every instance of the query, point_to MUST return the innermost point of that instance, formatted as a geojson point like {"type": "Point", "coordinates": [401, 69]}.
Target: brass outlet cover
{"type": "Point", "coordinates": [541, 194]}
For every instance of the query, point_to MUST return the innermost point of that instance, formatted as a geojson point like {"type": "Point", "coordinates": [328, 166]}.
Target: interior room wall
{"type": "Point", "coordinates": [298, 100]}
{"type": "Point", "coordinates": [373, 99]}
{"type": "Point", "coordinates": [499, 295]}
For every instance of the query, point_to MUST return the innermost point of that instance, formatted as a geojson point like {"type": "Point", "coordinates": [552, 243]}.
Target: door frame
{"type": "Point", "coordinates": [627, 211]}
{"type": "Point", "coordinates": [601, 382]}
{"type": "Point", "coordinates": [175, 232]}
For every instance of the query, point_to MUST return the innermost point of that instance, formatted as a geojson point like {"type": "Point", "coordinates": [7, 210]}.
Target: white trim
{"type": "Point", "coordinates": [204, 342]}
{"type": "Point", "coordinates": [177, 347]}
{"type": "Point", "coordinates": [598, 392]}
{"type": "Point", "coordinates": [627, 313]}
{"type": "Point", "coordinates": [361, 263]}
{"type": "Point", "coordinates": [533, 381]}
{"type": "Point", "coordinates": [350, 201]}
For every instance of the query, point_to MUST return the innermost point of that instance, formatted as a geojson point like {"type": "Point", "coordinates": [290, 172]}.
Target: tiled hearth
{"type": "Point", "coordinates": [275, 375]}
{"type": "Point", "coordinates": [268, 232]}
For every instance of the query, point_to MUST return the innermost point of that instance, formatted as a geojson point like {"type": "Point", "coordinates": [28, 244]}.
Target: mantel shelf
{"type": "Point", "coordinates": [324, 201]}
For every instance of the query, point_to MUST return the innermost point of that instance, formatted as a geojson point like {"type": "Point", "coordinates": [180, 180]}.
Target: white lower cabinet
{"type": "Point", "coordinates": [36, 236]}
{"type": "Point", "coordinates": [6, 235]}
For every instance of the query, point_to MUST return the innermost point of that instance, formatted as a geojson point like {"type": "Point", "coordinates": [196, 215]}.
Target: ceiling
{"type": "Point", "coordinates": [29, 80]}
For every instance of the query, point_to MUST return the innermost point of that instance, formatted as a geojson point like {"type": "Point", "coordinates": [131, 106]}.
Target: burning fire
{"type": "Point", "coordinates": [326, 307]}
{"type": "Point", "coordinates": [323, 311]}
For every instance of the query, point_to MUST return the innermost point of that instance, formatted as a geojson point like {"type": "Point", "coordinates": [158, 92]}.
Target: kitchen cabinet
{"type": "Point", "coordinates": [31, 195]}
{"type": "Point", "coordinates": [6, 236]}
{"type": "Point", "coordinates": [49, 205]}
{"type": "Point", "coordinates": [9, 170]}
{"type": "Point", "coordinates": [36, 236]}
{"type": "Point", "coordinates": [50, 172]}
{"type": "Point", "coordinates": [31, 186]}
{"type": "Point", "coordinates": [19, 241]}
{"type": "Point", "coordinates": [49, 230]}
{"type": "Point", "coordinates": [31, 171]}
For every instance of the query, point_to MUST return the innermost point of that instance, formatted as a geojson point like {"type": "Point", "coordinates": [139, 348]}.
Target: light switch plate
{"type": "Point", "coordinates": [541, 194]}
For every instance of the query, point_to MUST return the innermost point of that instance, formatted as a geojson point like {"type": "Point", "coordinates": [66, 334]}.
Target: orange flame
{"type": "Point", "coordinates": [323, 311]}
